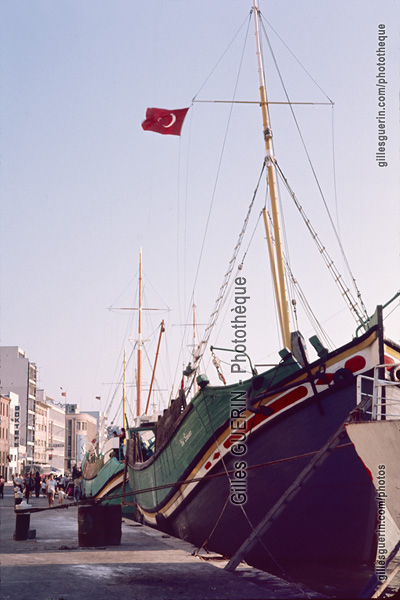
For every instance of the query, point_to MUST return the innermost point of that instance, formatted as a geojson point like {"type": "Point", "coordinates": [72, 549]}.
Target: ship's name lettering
{"type": "Point", "coordinates": [185, 438]}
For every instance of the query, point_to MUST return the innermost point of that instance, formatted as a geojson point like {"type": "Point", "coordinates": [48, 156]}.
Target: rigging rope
{"type": "Point", "coordinates": [198, 353]}
{"type": "Point", "coordinates": [297, 289]}
{"type": "Point", "coordinates": [358, 293]}
{"type": "Point", "coordinates": [351, 302]}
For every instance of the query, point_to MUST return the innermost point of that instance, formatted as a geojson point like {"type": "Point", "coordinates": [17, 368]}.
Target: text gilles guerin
{"type": "Point", "coordinates": [238, 399]}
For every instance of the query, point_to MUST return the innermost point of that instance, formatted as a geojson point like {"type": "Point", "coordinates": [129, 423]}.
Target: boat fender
{"type": "Point", "coordinates": [342, 377]}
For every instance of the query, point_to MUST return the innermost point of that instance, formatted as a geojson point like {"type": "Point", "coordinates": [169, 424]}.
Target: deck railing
{"type": "Point", "coordinates": [384, 393]}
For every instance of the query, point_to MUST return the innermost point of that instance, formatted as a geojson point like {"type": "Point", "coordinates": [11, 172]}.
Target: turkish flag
{"type": "Point", "coordinates": [167, 122]}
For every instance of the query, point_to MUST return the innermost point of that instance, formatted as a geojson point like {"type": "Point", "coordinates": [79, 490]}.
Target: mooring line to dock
{"type": "Point", "coordinates": [91, 500]}
{"type": "Point", "coordinates": [214, 475]}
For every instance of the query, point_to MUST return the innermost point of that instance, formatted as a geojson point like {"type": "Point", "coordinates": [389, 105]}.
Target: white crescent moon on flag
{"type": "Point", "coordinates": [173, 119]}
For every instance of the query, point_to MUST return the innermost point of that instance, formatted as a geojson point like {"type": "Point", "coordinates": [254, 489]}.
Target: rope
{"type": "Point", "coordinates": [351, 302]}
{"type": "Point", "coordinates": [213, 476]}
{"type": "Point", "coordinates": [197, 355]}
{"type": "Point", "coordinates": [363, 309]}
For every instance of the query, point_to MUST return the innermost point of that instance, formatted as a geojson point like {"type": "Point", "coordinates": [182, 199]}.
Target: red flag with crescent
{"type": "Point", "coordinates": [166, 122]}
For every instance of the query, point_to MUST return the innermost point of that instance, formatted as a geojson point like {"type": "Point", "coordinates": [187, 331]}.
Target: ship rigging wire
{"type": "Point", "coordinates": [199, 355]}
{"type": "Point", "coordinates": [220, 164]}
{"type": "Point", "coordinates": [358, 293]}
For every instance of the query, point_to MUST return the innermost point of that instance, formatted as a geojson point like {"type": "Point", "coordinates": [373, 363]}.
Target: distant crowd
{"type": "Point", "coordinates": [50, 485]}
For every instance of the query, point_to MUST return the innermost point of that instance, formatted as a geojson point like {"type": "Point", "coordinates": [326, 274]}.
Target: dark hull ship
{"type": "Point", "coordinates": [228, 456]}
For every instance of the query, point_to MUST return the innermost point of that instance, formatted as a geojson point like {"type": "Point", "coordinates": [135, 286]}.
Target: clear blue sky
{"type": "Point", "coordinates": [83, 187]}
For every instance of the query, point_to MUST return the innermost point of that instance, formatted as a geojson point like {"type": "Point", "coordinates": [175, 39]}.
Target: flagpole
{"type": "Point", "coordinates": [279, 283]}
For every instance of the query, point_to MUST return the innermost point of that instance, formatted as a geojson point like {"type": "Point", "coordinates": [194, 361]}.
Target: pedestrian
{"type": "Point", "coordinates": [20, 482]}
{"type": "Point", "coordinates": [61, 494]}
{"type": "Point", "coordinates": [28, 485]}
{"type": "Point", "coordinates": [122, 437]}
{"type": "Point", "coordinates": [38, 482]}
{"type": "Point", "coordinates": [51, 489]}
{"type": "Point", "coordinates": [1, 486]}
{"type": "Point", "coordinates": [78, 487]}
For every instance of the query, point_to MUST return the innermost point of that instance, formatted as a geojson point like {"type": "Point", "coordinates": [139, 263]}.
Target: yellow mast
{"type": "Point", "coordinates": [162, 329]}
{"type": "Point", "coordinates": [277, 263]}
{"type": "Point", "coordinates": [124, 424]}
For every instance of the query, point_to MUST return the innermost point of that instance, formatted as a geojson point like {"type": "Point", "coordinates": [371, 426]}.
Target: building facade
{"type": "Point", "coordinates": [101, 424]}
{"type": "Point", "coordinates": [4, 436]}
{"type": "Point", "coordinates": [80, 432]}
{"type": "Point", "coordinates": [14, 466]}
{"type": "Point", "coordinates": [19, 375]}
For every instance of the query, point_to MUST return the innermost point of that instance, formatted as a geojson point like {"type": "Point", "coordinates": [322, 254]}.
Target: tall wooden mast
{"type": "Point", "coordinates": [139, 352]}
{"type": "Point", "coordinates": [277, 263]}
{"type": "Point", "coordinates": [124, 420]}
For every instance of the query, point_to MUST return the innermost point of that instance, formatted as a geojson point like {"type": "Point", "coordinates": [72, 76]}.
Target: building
{"type": "Point", "coordinates": [101, 423]}
{"type": "Point", "coordinates": [80, 431]}
{"type": "Point", "coordinates": [19, 375]}
{"type": "Point", "coordinates": [14, 465]}
{"type": "Point", "coordinates": [4, 436]}
{"type": "Point", "coordinates": [50, 432]}
{"type": "Point", "coordinates": [56, 439]}
{"type": "Point", "coordinates": [41, 458]}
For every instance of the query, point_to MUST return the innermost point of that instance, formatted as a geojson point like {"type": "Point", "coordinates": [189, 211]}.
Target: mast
{"type": "Point", "coordinates": [124, 393]}
{"type": "Point", "coordinates": [162, 329]}
{"type": "Point", "coordinates": [279, 281]}
{"type": "Point", "coordinates": [194, 342]}
{"type": "Point", "coordinates": [139, 352]}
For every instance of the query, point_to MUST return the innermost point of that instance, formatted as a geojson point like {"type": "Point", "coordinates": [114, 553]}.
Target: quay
{"type": "Point", "coordinates": [148, 565]}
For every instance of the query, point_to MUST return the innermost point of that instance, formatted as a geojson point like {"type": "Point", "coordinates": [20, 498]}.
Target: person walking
{"type": "Point", "coordinates": [78, 487]}
{"type": "Point", "coordinates": [61, 494]}
{"type": "Point", "coordinates": [38, 481]}
{"type": "Point", "coordinates": [51, 489]}
{"type": "Point", "coordinates": [28, 481]}
{"type": "Point", "coordinates": [2, 486]}
{"type": "Point", "coordinates": [20, 482]}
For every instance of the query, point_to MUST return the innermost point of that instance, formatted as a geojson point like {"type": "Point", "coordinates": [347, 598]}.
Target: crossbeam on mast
{"type": "Point", "coordinates": [265, 102]}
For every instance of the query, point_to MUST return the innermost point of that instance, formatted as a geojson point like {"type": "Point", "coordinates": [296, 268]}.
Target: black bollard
{"type": "Point", "coordinates": [22, 522]}
{"type": "Point", "coordinates": [112, 520]}
{"type": "Point", "coordinates": [99, 525]}
{"type": "Point", "coordinates": [91, 528]}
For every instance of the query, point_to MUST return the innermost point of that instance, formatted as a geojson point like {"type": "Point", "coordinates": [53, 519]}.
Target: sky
{"type": "Point", "coordinates": [83, 187]}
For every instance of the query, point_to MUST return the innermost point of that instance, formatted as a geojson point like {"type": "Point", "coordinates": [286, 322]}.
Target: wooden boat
{"type": "Point", "coordinates": [104, 473]}
{"type": "Point", "coordinates": [225, 457]}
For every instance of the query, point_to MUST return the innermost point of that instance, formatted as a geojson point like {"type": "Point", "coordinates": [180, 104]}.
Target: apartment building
{"type": "Point", "coordinates": [80, 432]}
{"type": "Point", "coordinates": [19, 375]}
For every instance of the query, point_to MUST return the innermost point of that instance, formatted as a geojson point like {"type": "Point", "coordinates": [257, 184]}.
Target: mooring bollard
{"type": "Point", "coordinates": [99, 525]}
{"type": "Point", "coordinates": [22, 521]}
{"type": "Point", "coordinates": [91, 530]}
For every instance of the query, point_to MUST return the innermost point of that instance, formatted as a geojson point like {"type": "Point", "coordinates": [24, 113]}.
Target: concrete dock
{"type": "Point", "coordinates": [148, 565]}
